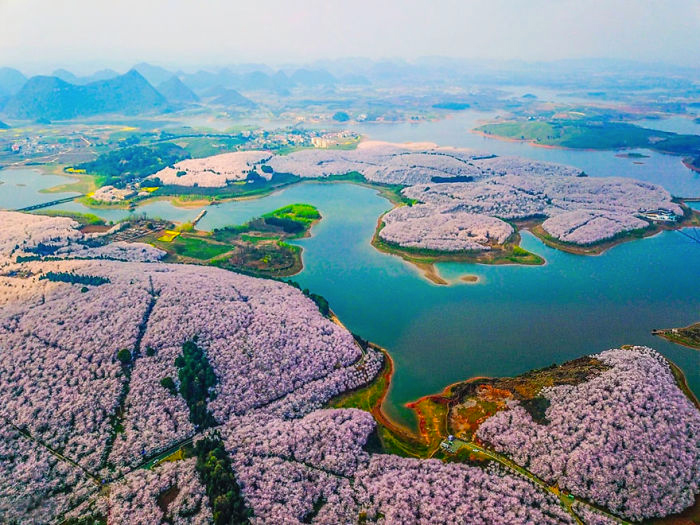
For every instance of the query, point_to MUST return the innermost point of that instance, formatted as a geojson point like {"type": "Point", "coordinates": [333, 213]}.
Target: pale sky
{"type": "Point", "coordinates": [90, 34]}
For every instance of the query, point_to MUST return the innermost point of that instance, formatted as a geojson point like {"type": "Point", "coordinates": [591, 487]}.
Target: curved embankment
{"type": "Point", "coordinates": [428, 416]}
{"type": "Point", "coordinates": [688, 336]}
{"type": "Point", "coordinates": [511, 252]}
{"type": "Point", "coordinates": [691, 165]}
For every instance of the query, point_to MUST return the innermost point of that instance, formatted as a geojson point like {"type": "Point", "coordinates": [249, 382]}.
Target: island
{"type": "Point", "coordinates": [593, 133]}
{"type": "Point", "coordinates": [258, 247]}
{"type": "Point", "coordinates": [455, 204]}
{"type": "Point", "coordinates": [450, 204]}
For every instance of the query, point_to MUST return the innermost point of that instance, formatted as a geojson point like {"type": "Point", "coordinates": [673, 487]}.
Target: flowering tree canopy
{"type": "Point", "coordinates": [99, 371]}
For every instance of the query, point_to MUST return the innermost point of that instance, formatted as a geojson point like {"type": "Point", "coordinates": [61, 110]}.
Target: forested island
{"type": "Point", "coordinates": [451, 204]}
{"type": "Point", "coordinates": [595, 134]}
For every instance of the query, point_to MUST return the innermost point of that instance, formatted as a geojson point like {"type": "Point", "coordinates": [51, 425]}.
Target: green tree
{"type": "Point", "coordinates": [168, 383]}
{"type": "Point", "coordinates": [124, 356]}
{"type": "Point", "coordinates": [214, 467]}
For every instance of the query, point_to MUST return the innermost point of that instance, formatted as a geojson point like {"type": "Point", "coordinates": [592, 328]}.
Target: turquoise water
{"type": "Point", "coordinates": [517, 318]}
{"type": "Point", "coordinates": [161, 209]}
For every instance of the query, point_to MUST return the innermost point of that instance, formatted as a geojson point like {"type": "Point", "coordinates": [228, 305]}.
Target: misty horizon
{"type": "Point", "coordinates": [75, 34]}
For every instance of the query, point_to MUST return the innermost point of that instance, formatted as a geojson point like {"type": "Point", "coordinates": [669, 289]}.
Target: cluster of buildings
{"type": "Point", "coordinates": [660, 215]}
{"type": "Point", "coordinates": [33, 145]}
{"type": "Point", "coordinates": [270, 140]}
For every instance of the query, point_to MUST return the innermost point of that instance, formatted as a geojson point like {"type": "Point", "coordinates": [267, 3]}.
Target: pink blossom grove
{"type": "Point", "coordinates": [89, 428]}
{"type": "Point", "coordinates": [626, 439]}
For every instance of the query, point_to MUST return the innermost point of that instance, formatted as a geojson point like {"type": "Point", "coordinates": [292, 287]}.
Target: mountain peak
{"type": "Point", "coordinates": [47, 97]}
{"type": "Point", "coordinates": [175, 91]}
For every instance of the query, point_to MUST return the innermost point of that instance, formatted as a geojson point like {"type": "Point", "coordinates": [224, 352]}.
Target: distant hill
{"type": "Point", "coordinates": [11, 80]}
{"type": "Point", "coordinates": [3, 125]}
{"type": "Point", "coordinates": [177, 92]}
{"type": "Point", "coordinates": [67, 76]}
{"type": "Point", "coordinates": [312, 77]}
{"type": "Point", "coordinates": [54, 99]}
{"type": "Point", "coordinates": [215, 91]}
{"type": "Point", "coordinates": [232, 98]}
{"type": "Point", "coordinates": [355, 80]}
{"type": "Point", "coordinates": [266, 80]}
{"type": "Point", "coordinates": [102, 74]}
{"type": "Point", "coordinates": [154, 74]}
{"type": "Point", "coordinates": [202, 81]}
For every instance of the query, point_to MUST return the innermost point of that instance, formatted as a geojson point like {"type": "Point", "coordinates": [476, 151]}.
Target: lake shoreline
{"type": "Point", "coordinates": [688, 163]}
{"type": "Point", "coordinates": [691, 219]}
{"type": "Point", "coordinates": [418, 435]}
{"type": "Point", "coordinates": [425, 262]}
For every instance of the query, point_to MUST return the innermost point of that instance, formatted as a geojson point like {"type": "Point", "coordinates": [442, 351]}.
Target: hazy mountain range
{"type": "Point", "coordinates": [44, 97]}
{"type": "Point", "coordinates": [175, 91]}
{"type": "Point", "coordinates": [144, 89]}
{"type": "Point", "coordinates": [11, 81]}
{"type": "Point", "coordinates": [151, 88]}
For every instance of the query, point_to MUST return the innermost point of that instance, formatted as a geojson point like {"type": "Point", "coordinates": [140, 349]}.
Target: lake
{"type": "Point", "coordinates": [516, 318]}
{"type": "Point", "coordinates": [20, 187]}
{"type": "Point", "coordinates": [665, 170]}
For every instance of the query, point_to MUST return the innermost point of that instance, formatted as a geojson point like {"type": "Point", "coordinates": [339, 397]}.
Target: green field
{"type": "Point", "coordinates": [83, 218]}
{"type": "Point", "coordinates": [193, 247]}
{"type": "Point", "coordinates": [257, 247]}
{"type": "Point", "coordinates": [301, 213]}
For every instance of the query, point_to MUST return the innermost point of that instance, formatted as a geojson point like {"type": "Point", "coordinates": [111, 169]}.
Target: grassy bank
{"type": "Point", "coordinates": [394, 438]}
{"type": "Point", "coordinates": [687, 336]}
{"type": "Point", "coordinates": [85, 219]}
{"type": "Point", "coordinates": [82, 182]}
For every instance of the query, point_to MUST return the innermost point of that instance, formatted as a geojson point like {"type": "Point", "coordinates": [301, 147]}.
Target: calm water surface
{"type": "Point", "coordinates": [20, 187]}
{"type": "Point", "coordinates": [676, 124]}
{"type": "Point", "coordinates": [515, 318]}
{"type": "Point", "coordinates": [665, 170]}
